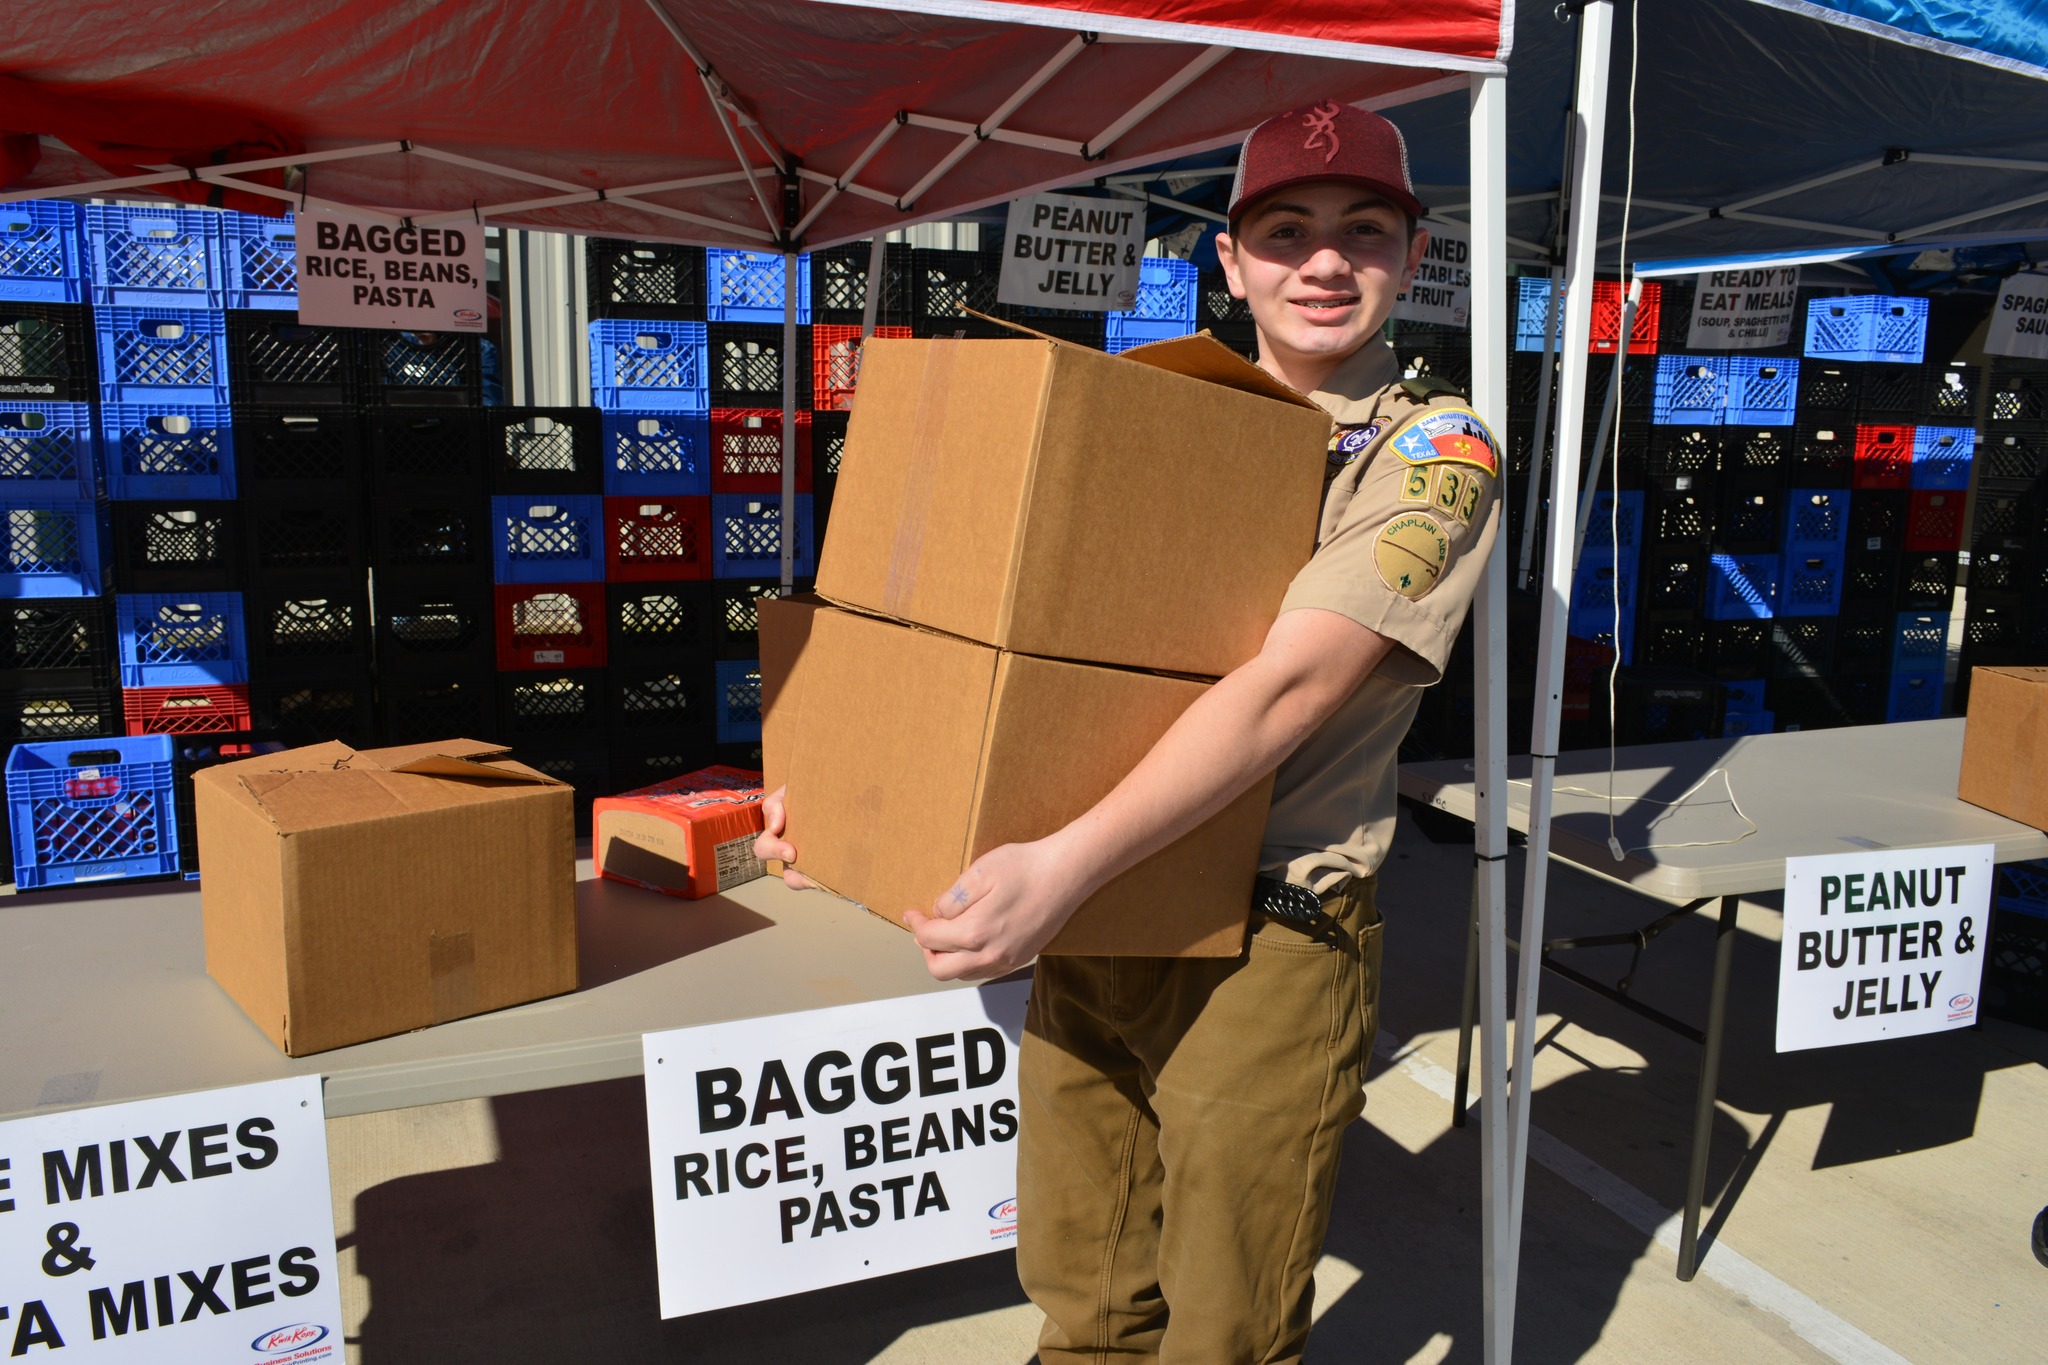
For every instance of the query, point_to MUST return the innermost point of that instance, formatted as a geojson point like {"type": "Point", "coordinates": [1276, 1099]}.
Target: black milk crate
{"type": "Point", "coordinates": [1437, 354]}
{"type": "Point", "coordinates": [670, 698]}
{"type": "Point", "coordinates": [2010, 513]}
{"type": "Point", "coordinates": [1757, 452]}
{"type": "Point", "coordinates": [552, 701]}
{"type": "Point", "coordinates": [1927, 580]}
{"type": "Point", "coordinates": [1679, 510]}
{"type": "Point", "coordinates": [189, 755]}
{"type": "Point", "coordinates": [1890, 394]}
{"type": "Point", "coordinates": [1673, 578]}
{"type": "Point", "coordinates": [544, 450]}
{"type": "Point", "coordinates": [1866, 698]}
{"type": "Point", "coordinates": [1082, 329]}
{"type": "Point", "coordinates": [299, 450]}
{"type": "Point", "coordinates": [416, 449]}
{"type": "Point", "coordinates": [1863, 639]}
{"type": "Point", "coordinates": [1638, 388]}
{"type": "Point", "coordinates": [839, 285]}
{"type": "Point", "coordinates": [1526, 382]}
{"type": "Point", "coordinates": [48, 635]}
{"type": "Point", "coordinates": [422, 369]}
{"type": "Point", "coordinates": [2016, 968]}
{"type": "Point", "coordinates": [1674, 315]}
{"type": "Point", "coordinates": [450, 703]}
{"type": "Point", "coordinates": [644, 280]}
{"type": "Point", "coordinates": [643, 760]}
{"type": "Point", "coordinates": [1749, 519]}
{"type": "Point", "coordinates": [47, 353]}
{"type": "Point", "coordinates": [736, 616]}
{"type": "Point", "coordinates": [1216, 306]}
{"type": "Point", "coordinates": [1823, 454]}
{"type": "Point", "coordinates": [1630, 449]}
{"type": "Point", "coordinates": [273, 358]}
{"type": "Point", "coordinates": [428, 538]}
{"type": "Point", "coordinates": [664, 622]}
{"type": "Point", "coordinates": [580, 758]}
{"type": "Point", "coordinates": [1736, 649]}
{"type": "Point", "coordinates": [1690, 450]}
{"type": "Point", "coordinates": [310, 704]}
{"type": "Point", "coordinates": [1666, 706]}
{"type": "Point", "coordinates": [307, 624]}
{"type": "Point", "coordinates": [2019, 393]}
{"type": "Point", "coordinates": [744, 361]}
{"type": "Point", "coordinates": [1870, 576]}
{"type": "Point", "coordinates": [2009, 564]}
{"type": "Point", "coordinates": [1808, 704]}
{"type": "Point", "coordinates": [429, 631]}
{"type": "Point", "coordinates": [2013, 457]}
{"type": "Point", "coordinates": [58, 707]}
{"type": "Point", "coordinates": [828, 448]}
{"type": "Point", "coordinates": [176, 546]}
{"type": "Point", "coordinates": [1949, 392]}
{"type": "Point", "coordinates": [1877, 518]}
{"type": "Point", "coordinates": [1996, 623]}
{"type": "Point", "coordinates": [288, 537]}
{"type": "Point", "coordinates": [945, 283]}
{"type": "Point", "coordinates": [745, 754]}
{"type": "Point", "coordinates": [1670, 639]}
{"type": "Point", "coordinates": [1802, 646]}
{"type": "Point", "coordinates": [1829, 389]}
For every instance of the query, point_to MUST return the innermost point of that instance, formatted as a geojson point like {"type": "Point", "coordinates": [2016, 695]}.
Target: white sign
{"type": "Point", "coordinates": [2019, 320]}
{"type": "Point", "coordinates": [1743, 310]}
{"type": "Point", "coordinates": [1442, 292]}
{"type": "Point", "coordinates": [806, 1150]}
{"type": "Point", "coordinates": [192, 1228]}
{"type": "Point", "coordinates": [1885, 944]}
{"type": "Point", "coordinates": [1066, 251]}
{"type": "Point", "coordinates": [354, 273]}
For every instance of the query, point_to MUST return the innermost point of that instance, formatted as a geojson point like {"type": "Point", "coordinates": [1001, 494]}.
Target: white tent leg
{"type": "Point", "coordinates": [1542, 429]}
{"type": "Point", "coordinates": [1610, 413]}
{"type": "Point", "coordinates": [1596, 34]}
{"type": "Point", "coordinates": [871, 305]}
{"type": "Point", "coordinates": [790, 361]}
{"type": "Point", "coordinates": [1490, 331]}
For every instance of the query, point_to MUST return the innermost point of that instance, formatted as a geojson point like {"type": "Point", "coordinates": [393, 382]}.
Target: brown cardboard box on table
{"type": "Point", "coordinates": [2005, 744]}
{"type": "Point", "coordinates": [1146, 510]}
{"type": "Point", "coordinates": [351, 894]}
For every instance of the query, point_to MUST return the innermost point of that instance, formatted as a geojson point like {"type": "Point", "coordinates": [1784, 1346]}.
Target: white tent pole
{"type": "Point", "coordinates": [1167, 89]}
{"type": "Point", "coordinates": [1490, 334]}
{"type": "Point", "coordinates": [878, 256]}
{"type": "Point", "coordinates": [789, 451]}
{"type": "Point", "coordinates": [982, 131]}
{"type": "Point", "coordinates": [1609, 411]}
{"type": "Point", "coordinates": [1596, 35]}
{"type": "Point", "coordinates": [1541, 431]}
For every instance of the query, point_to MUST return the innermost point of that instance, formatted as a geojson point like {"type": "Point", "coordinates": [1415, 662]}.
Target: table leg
{"type": "Point", "coordinates": [1469, 1007]}
{"type": "Point", "coordinates": [1710, 1079]}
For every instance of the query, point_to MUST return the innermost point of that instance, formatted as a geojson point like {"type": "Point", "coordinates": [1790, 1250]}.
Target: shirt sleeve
{"type": "Point", "coordinates": [1403, 556]}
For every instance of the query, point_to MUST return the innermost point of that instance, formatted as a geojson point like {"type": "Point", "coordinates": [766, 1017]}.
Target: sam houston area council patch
{"type": "Point", "coordinates": [1411, 553]}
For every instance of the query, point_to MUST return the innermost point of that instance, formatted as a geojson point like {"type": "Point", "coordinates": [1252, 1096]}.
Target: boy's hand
{"type": "Point", "coordinates": [1000, 913]}
{"type": "Point", "coordinates": [770, 843]}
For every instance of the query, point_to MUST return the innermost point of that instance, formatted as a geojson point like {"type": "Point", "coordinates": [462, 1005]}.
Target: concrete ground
{"type": "Point", "coordinates": [1867, 1204]}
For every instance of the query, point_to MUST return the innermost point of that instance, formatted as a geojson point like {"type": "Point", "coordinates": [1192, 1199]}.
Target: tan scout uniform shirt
{"type": "Point", "coordinates": [1409, 516]}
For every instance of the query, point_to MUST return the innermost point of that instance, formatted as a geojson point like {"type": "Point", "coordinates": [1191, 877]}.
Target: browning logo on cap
{"type": "Point", "coordinates": [1411, 553]}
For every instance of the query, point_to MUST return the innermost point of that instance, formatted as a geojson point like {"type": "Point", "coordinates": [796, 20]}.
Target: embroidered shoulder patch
{"type": "Point", "coordinates": [1454, 434]}
{"type": "Point", "coordinates": [1348, 443]}
{"type": "Point", "coordinates": [1411, 553]}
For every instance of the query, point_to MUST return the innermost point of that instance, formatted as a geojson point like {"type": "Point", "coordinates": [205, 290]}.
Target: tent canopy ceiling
{"type": "Point", "coordinates": [522, 111]}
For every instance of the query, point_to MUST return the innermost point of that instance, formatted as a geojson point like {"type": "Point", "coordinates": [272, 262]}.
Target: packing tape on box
{"type": "Point", "coordinates": [451, 962]}
{"type": "Point", "coordinates": [927, 448]}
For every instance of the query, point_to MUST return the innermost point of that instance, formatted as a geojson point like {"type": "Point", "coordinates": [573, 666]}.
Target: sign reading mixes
{"type": "Point", "coordinates": [1882, 945]}
{"type": "Point", "coordinates": [2019, 320]}
{"type": "Point", "coordinates": [354, 273]}
{"type": "Point", "coordinates": [1067, 251]}
{"type": "Point", "coordinates": [1744, 310]}
{"type": "Point", "coordinates": [812, 1149]}
{"type": "Point", "coordinates": [191, 1228]}
{"type": "Point", "coordinates": [1442, 291]}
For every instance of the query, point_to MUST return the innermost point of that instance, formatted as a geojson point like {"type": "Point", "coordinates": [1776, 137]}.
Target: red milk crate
{"type": "Point", "coordinates": [835, 363]}
{"type": "Point", "coordinates": [186, 710]}
{"type": "Point", "coordinates": [1884, 457]}
{"type": "Point", "coordinates": [550, 625]}
{"type": "Point", "coordinates": [746, 450]}
{"type": "Point", "coordinates": [657, 539]}
{"type": "Point", "coordinates": [1608, 297]}
{"type": "Point", "coordinates": [1934, 519]}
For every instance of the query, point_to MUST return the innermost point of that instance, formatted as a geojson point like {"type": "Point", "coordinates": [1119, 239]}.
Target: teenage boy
{"type": "Point", "coordinates": [1182, 1118]}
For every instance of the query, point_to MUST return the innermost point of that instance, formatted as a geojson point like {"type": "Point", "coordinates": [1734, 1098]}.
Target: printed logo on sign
{"type": "Point", "coordinates": [1002, 1218]}
{"type": "Point", "coordinates": [295, 1337]}
{"type": "Point", "coordinates": [468, 315]}
{"type": "Point", "coordinates": [1962, 1006]}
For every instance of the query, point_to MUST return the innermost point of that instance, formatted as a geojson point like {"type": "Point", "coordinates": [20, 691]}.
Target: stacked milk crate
{"type": "Point", "coordinates": [2006, 616]}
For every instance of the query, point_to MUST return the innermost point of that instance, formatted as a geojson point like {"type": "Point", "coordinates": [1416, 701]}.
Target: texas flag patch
{"type": "Point", "coordinates": [1454, 434]}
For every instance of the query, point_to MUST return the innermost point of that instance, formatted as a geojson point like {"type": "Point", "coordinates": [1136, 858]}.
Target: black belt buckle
{"type": "Point", "coordinates": [1296, 905]}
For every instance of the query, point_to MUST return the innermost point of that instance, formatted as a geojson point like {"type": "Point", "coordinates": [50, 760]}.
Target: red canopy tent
{"type": "Point", "coordinates": [777, 125]}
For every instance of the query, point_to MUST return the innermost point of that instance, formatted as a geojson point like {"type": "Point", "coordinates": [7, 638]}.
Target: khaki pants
{"type": "Point", "coordinates": [1182, 1121]}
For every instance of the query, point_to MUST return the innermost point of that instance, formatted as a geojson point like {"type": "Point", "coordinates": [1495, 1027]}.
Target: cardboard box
{"type": "Point", "coordinates": [785, 630]}
{"type": "Point", "coordinates": [914, 752]}
{"type": "Point", "coordinates": [2005, 744]}
{"type": "Point", "coordinates": [1146, 510]}
{"type": "Point", "coordinates": [351, 894]}
{"type": "Point", "coordinates": [691, 836]}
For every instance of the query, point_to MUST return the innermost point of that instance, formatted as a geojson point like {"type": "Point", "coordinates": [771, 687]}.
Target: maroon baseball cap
{"type": "Point", "coordinates": [1327, 141]}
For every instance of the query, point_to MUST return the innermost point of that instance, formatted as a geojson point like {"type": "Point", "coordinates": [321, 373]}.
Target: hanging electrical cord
{"type": "Point", "coordinates": [1628, 198]}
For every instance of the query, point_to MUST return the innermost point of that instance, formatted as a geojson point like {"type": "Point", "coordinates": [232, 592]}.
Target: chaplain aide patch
{"type": "Point", "coordinates": [1411, 553]}
{"type": "Point", "coordinates": [1454, 434]}
{"type": "Point", "coordinates": [1348, 443]}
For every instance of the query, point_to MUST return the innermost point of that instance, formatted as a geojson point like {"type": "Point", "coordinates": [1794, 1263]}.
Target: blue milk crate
{"type": "Point", "coordinates": [746, 536]}
{"type": "Point", "coordinates": [663, 366]}
{"type": "Point", "coordinates": [736, 700]}
{"type": "Point", "coordinates": [1167, 290]}
{"type": "Point", "coordinates": [1810, 582]}
{"type": "Point", "coordinates": [657, 454]}
{"type": "Point", "coordinates": [1942, 457]}
{"type": "Point", "coordinates": [1600, 526]}
{"type": "Point", "coordinates": [262, 259]}
{"type": "Point", "coordinates": [155, 257]}
{"type": "Point", "coordinates": [1867, 327]}
{"type": "Point", "coordinates": [1532, 310]}
{"type": "Point", "coordinates": [1596, 586]}
{"type": "Point", "coordinates": [1742, 587]}
{"type": "Point", "coordinates": [2023, 889]}
{"type": "Point", "coordinates": [42, 252]}
{"type": "Point", "coordinates": [49, 450]}
{"type": "Point", "coordinates": [92, 810]}
{"type": "Point", "coordinates": [55, 548]}
{"type": "Point", "coordinates": [1121, 331]}
{"type": "Point", "coordinates": [1735, 724]}
{"type": "Point", "coordinates": [162, 355]}
{"type": "Point", "coordinates": [168, 450]}
{"type": "Point", "coordinates": [547, 538]}
{"type": "Point", "coordinates": [181, 639]}
{"type": "Point", "coordinates": [1763, 391]}
{"type": "Point", "coordinates": [1914, 696]}
{"type": "Point", "coordinates": [746, 286]}
{"type": "Point", "coordinates": [1692, 390]}
{"type": "Point", "coordinates": [1920, 642]}
{"type": "Point", "coordinates": [1816, 520]}
{"type": "Point", "coordinates": [1744, 695]}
